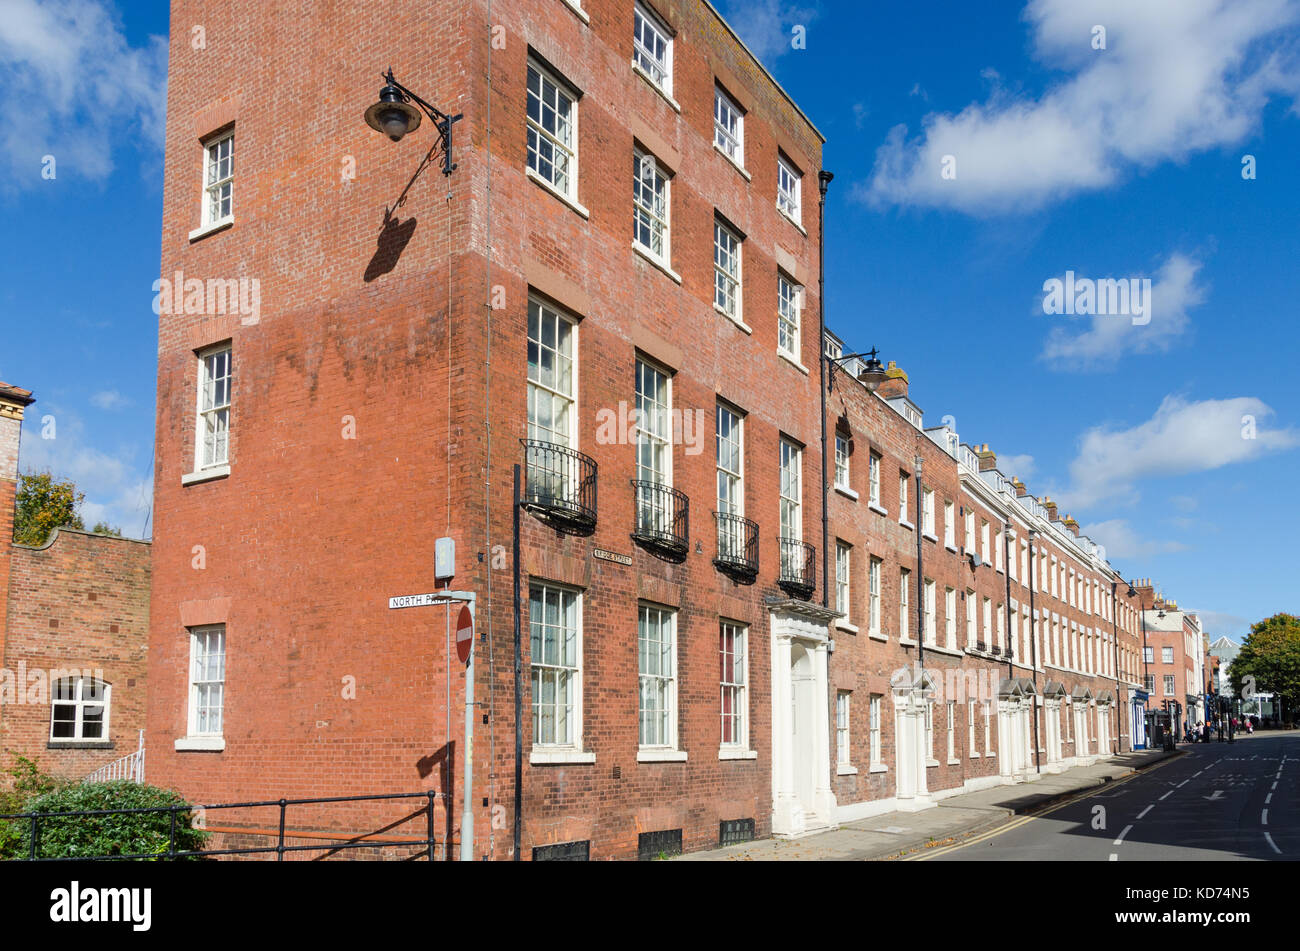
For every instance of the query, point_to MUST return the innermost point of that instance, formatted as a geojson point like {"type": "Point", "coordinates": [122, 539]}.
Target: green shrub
{"type": "Point", "coordinates": [29, 781]}
{"type": "Point", "coordinates": [141, 833]}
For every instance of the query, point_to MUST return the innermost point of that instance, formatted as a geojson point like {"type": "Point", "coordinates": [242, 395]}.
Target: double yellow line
{"type": "Point", "coordinates": [1022, 820]}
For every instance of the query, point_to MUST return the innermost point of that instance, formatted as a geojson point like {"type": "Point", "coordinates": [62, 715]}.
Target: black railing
{"type": "Point", "coordinates": [662, 518]}
{"type": "Point", "coordinates": [798, 567]}
{"type": "Point", "coordinates": [737, 546]}
{"type": "Point", "coordinates": [361, 840]}
{"type": "Point", "coordinates": [560, 485]}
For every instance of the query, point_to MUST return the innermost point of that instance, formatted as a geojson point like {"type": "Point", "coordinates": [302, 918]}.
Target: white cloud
{"type": "Point", "coordinates": [110, 400]}
{"type": "Point", "coordinates": [1177, 77]}
{"type": "Point", "coordinates": [1182, 437]}
{"type": "Point", "coordinates": [118, 489]}
{"type": "Point", "coordinates": [1122, 541]}
{"type": "Point", "coordinates": [1018, 467]}
{"type": "Point", "coordinates": [1217, 624]}
{"type": "Point", "coordinates": [765, 25]}
{"type": "Point", "coordinates": [72, 85]}
{"type": "Point", "coordinates": [1174, 291]}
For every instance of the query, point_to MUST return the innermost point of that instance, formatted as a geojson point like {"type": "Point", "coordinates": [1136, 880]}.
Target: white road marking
{"type": "Point", "coordinates": [1181, 785]}
{"type": "Point", "coordinates": [1167, 795]}
{"type": "Point", "coordinates": [1272, 843]}
{"type": "Point", "coordinates": [1146, 810]}
{"type": "Point", "coordinates": [1268, 799]}
{"type": "Point", "coordinates": [1263, 818]}
{"type": "Point", "coordinates": [1115, 858]}
{"type": "Point", "coordinates": [1122, 834]}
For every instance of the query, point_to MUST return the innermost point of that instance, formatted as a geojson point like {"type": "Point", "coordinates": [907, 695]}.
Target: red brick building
{"type": "Point", "coordinates": [631, 227]}
{"type": "Point", "coordinates": [74, 637]}
{"type": "Point", "coordinates": [941, 561]}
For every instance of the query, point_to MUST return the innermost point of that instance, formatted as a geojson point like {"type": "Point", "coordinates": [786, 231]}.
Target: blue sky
{"type": "Point", "coordinates": [1122, 162]}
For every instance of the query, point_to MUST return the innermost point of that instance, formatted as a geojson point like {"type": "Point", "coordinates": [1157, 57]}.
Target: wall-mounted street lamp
{"type": "Point", "coordinates": [394, 116]}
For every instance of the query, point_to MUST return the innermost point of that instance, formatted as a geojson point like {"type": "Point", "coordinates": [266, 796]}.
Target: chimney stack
{"type": "Point", "coordinates": [988, 460]}
{"type": "Point", "coordinates": [13, 401]}
{"type": "Point", "coordinates": [894, 383]}
{"type": "Point", "coordinates": [1051, 508]}
{"type": "Point", "coordinates": [1071, 526]}
{"type": "Point", "coordinates": [1019, 486]}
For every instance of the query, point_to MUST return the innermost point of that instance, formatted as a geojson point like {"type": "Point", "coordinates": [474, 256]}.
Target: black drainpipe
{"type": "Point", "coordinates": [1033, 642]}
{"type": "Point", "coordinates": [823, 182]}
{"type": "Point", "coordinates": [519, 688]}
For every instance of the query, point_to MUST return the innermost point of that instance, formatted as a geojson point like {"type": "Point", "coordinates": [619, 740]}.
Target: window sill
{"type": "Point", "coordinates": [974, 756]}
{"type": "Point", "coordinates": [883, 638]}
{"type": "Point", "coordinates": [79, 745]}
{"type": "Point", "coordinates": [661, 265]}
{"type": "Point", "coordinates": [931, 763]}
{"type": "Point", "coordinates": [877, 508]}
{"type": "Point", "coordinates": [656, 87]}
{"type": "Point", "coordinates": [784, 214]}
{"type": "Point", "coordinates": [990, 755]}
{"type": "Point", "coordinates": [734, 164]}
{"type": "Point", "coordinates": [735, 752]}
{"type": "Point", "coordinates": [542, 756]}
{"type": "Point", "coordinates": [660, 756]}
{"type": "Point", "coordinates": [575, 205]}
{"type": "Point", "coordinates": [205, 475]}
{"type": "Point", "coordinates": [580, 13]}
{"type": "Point", "coordinates": [845, 770]}
{"type": "Point", "coordinates": [943, 650]}
{"type": "Point", "coordinates": [878, 768]}
{"type": "Point", "coordinates": [793, 361]}
{"type": "Point", "coordinates": [907, 525]}
{"type": "Point", "coordinates": [954, 761]}
{"type": "Point", "coordinates": [930, 536]}
{"type": "Point", "coordinates": [847, 492]}
{"type": "Point", "coordinates": [951, 547]}
{"type": "Point", "coordinates": [205, 230]}
{"type": "Point", "coordinates": [846, 627]}
{"type": "Point", "coordinates": [735, 320]}
{"type": "Point", "coordinates": [213, 744]}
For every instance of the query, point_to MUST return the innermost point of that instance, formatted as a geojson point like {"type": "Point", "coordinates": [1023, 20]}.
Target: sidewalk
{"type": "Point", "coordinates": [894, 833]}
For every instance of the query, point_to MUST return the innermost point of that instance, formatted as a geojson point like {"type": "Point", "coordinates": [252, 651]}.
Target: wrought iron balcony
{"type": "Point", "coordinates": [560, 486]}
{"type": "Point", "coordinates": [662, 519]}
{"type": "Point", "coordinates": [798, 576]}
{"type": "Point", "coordinates": [737, 547]}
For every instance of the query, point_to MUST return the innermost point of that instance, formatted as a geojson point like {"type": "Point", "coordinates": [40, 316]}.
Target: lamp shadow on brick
{"type": "Point", "coordinates": [393, 239]}
{"type": "Point", "coordinates": [445, 761]}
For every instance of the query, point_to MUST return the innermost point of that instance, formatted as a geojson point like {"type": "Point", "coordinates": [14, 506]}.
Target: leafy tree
{"type": "Point", "coordinates": [42, 505]}
{"type": "Point", "coordinates": [103, 528]}
{"type": "Point", "coordinates": [28, 782]}
{"type": "Point", "coordinates": [1269, 659]}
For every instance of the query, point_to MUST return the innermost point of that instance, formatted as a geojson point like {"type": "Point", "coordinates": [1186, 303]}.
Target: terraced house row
{"type": "Point", "coordinates": [747, 585]}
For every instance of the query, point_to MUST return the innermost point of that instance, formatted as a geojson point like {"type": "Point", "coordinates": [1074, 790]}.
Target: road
{"type": "Point", "coordinates": [1218, 801]}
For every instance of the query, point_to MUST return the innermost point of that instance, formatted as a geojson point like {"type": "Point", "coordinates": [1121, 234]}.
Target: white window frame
{"type": "Point", "coordinates": [841, 461]}
{"type": "Point", "coordinates": [734, 480]}
{"type": "Point", "coordinates": [215, 179]}
{"type": "Point", "coordinates": [843, 738]}
{"type": "Point", "coordinates": [218, 411]}
{"type": "Point", "coordinates": [903, 480]}
{"type": "Point", "coordinates": [843, 575]}
{"type": "Point", "coordinates": [84, 693]}
{"type": "Point", "coordinates": [789, 317]}
{"type": "Point", "coordinates": [728, 264]}
{"type": "Point", "coordinates": [970, 532]}
{"type": "Point", "coordinates": [949, 525]}
{"type": "Point", "coordinates": [538, 385]}
{"type": "Point", "coordinates": [565, 147]}
{"type": "Point", "coordinates": [927, 511]}
{"type": "Point", "coordinates": [988, 731]}
{"type": "Point", "coordinates": [644, 59]}
{"type": "Point", "coordinates": [1169, 684]}
{"type": "Point", "coordinates": [952, 731]}
{"type": "Point", "coordinates": [196, 685]}
{"type": "Point", "coordinates": [789, 187]}
{"type": "Point", "coordinates": [874, 571]}
{"type": "Point", "coordinates": [904, 601]}
{"type": "Point", "coordinates": [667, 677]}
{"type": "Point", "coordinates": [737, 688]}
{"type": "Point", "coordinates": [873, 478]}
{"type": "Point", "coordinates": [728, 126]}
{"type": "Point", "coordinates": [1166, 655]}
{"type": "Point", "coordinates": [950, 618]}
{"type": "Point", "coordinates": [970, 620]}
{"type": "Point", "coordinates": [987, 615]}
{"type": "Point", "coordinates": [930, 594]}
{"type": "Point", "coordinates": [660, 189]}
{"type": "Point", "coordinates": [984, 541]}
{"type": "Point", "coordinates": [574, 742]}
{"type": "Point", "coordinates": [790, 512]}
{"type": "Point", "coordinates": [876, 712]}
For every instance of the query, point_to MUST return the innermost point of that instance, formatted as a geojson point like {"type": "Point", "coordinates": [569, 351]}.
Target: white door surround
{"type": "Point", "coordinates": [802, 800]}
{"type": "Point", "coordinates": [913, 691]}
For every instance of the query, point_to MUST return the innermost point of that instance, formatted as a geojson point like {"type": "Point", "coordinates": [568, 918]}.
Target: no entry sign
{"type": "Point", "coordinates": [464, 634]}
